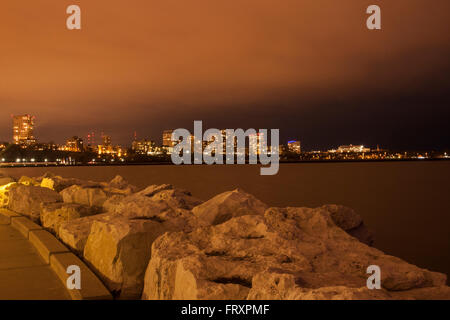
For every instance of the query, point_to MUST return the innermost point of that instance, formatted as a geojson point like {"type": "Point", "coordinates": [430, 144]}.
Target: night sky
{"type": "Point", "coordinates": [308, 67]}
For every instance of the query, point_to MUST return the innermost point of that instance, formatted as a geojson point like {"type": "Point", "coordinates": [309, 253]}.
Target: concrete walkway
{"type": "Point", "coordinates": [23, 273]}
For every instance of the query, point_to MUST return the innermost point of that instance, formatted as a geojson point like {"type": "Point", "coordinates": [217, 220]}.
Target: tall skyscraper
{"type": "Point", "coordinates": [23, 127]}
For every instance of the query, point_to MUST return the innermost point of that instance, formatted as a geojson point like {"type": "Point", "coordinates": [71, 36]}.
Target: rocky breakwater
{"type": "Point", "coordinates": [287, 253]}
{"type": "Point", "coordinates": [163, 243]}
{"type": "Point", "coordinates": [119, 247]}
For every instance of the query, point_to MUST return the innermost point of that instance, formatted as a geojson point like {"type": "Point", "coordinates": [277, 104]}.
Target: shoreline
{"type": "Point", "coordinates": [402, 202]}
{"type": "Point", "coordinates": [233, 245]}
{"type": "Point", "coordinates": [51, 165]}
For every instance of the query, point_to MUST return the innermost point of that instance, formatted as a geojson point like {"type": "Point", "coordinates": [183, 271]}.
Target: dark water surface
{"type": "Point", "coordinates": [406, 204]}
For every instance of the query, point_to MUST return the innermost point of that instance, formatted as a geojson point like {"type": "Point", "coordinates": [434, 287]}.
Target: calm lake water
{"type": "Point", "coordinates": [406, 204]}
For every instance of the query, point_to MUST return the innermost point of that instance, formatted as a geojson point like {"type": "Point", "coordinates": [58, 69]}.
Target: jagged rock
{"type": "Point", "coordinates": [363, 234]}
{"type": "Point", "coordinates": [134, 206]}
{"type": "Point", "coordinates": [95, 194]}
{"type": "Point", "coordinates": [85, 196]}
{"type": "Point", "coordinates": [351, 222]}
{"type": "Point", "coordinates": [4, 193]}
{"type": "Point", "coordinates": [284, 286]}
{"type": "Point", "coordinates": [74, 233]}
{"type": "Point", "coordinates": [27, 181]}
{"type": "Point", "coordinates": [112, 204]}
{"type": "Point", "coordinates": [228, 205]}
{"type": "Point", "coordinates": [177, 198]}
{"type": "Point", "coordinates": [114, 191]}
{"type": "Point", "coordinates": [150, 191]}
{"type": "Point", "coordinates": [27, 200]}
{"type": "Point", "coordinates": [344, 217]}
{"type": "Point", "coordinates": [119, 249]}
{"type": "Point", "coordinates": [58, 183]}
{"type": "Point", "coordinates": [55, 214]}
{"type": "Point", "coordinates": [151, 201]}
{"type": "Point", "coordinates": [238, 259]}
{"type": "Point", "coordinates": [120, 183]}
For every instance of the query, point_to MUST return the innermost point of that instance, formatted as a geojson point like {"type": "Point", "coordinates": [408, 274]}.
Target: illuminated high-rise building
{"type": "Point", "coordinates": [167, 139]}
{"type": "Point", "coordinates": [144, 146]}
{"type": "Point", "coordinates": [294, 146]}
{"type": "Point", "coordinates": [106, 140]}
{"type": "Point", "coordinates": [74, 144]}
{"type": "Point", "coordinates": [23, 127]}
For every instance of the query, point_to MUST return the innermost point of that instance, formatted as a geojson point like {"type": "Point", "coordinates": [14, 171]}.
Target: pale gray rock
{"type": "Point", "coordinates": [58, 183]}
{"type": "Point", "coordinates": [118, 182]}
{"type": "Point", "coordinates": [27, 199]}
{"type": "Point", "coordinates": [4, 193]}
{"type": "Point", "coordinates": [151, 201]}
{"type": "Point", "coordinates": [85, 196]}
{"type": "Point", "coordinates": [228, 205]}
{"type": "Point", "coordinates": [150, 191]}
{"type": "Point", "coordinates": [351, 222]}
{"type": "Point", "coordinates": [53, 215]}
{"type": "Point", "coordinates": [119, 249]}
{"type": "Point", "coordinates": [287, 253]}
{"type": "Point", "coordinates": [344, 217]}
{"type": "Point", "coordinates": [74, 233]}
{"type": "Point", "coordinates": [27, 181]}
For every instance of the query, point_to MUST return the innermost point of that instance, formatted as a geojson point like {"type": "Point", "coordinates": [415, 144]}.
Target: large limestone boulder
{"type": "Point", "coordinates": [134, 206]}
{"type": "Point", "coordinates": [173, 197]}
{"type": "Point", "coordinates": [151, 201]}
{"type": "Point", "coordinates": [118, 182]}
{"type": "Point", "coordinates": [287, 253]}
{"type": "Point", "coordinates": [283, 286]}
{"type": "Point", "coordinates": [118, 186]}
{"type": "Point", "coordinates": [119, 249]}
{"type": "Point", "coordinates": [74, 233]}
{"type": "Point", "coordinates": [95, 194]}
{"type": "Point", "coordinates": [27, 181]}
{"type": "Point", "coordinates": [150, 191]}
{"type": "Point", "coordinates": [4, 193]}
{"type": "Point", "coordinates": [177, 198]}
{"type": "Point", "coordinates": [91, 196]}
{"type": "Point", "coordinates": [58, 183]}
{"type": "Point", "coordinates": [27, 200]}
{"type": "Point", "coordinates": [55, 214]}
{"type": "Point", "coordinates": [227, 205]}
{"type": "Point", "coordinates": [347, 219]}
